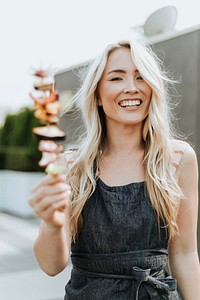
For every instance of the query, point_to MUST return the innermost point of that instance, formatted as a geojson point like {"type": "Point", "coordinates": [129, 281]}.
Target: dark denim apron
{"type": "Point", "coordinates": [120, 253]}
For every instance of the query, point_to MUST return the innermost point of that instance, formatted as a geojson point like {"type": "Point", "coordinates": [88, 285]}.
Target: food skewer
{"type": "Point", "coordinates": [46, 109]}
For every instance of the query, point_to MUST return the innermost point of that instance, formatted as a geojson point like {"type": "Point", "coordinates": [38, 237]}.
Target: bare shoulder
{"type": "Point", "coordinates": [183, 155]}
{"type": "Point", "coordinates": [189, 155]}
{"type": "Point", "coordinates": [188, 165]}
{"type": "Point", "coordinates": [177, 145]}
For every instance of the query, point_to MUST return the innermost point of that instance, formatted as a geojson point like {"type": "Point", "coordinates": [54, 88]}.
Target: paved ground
{"type": "Point", "coordinates": [20, 276]}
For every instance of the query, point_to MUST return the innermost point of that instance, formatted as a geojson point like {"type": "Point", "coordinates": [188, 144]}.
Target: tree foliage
{"type": "Point", "coordinates": [18, 145]}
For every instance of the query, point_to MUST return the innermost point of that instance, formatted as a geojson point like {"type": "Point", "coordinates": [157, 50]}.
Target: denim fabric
{"type": "Point", "coordinates": [119, 241]}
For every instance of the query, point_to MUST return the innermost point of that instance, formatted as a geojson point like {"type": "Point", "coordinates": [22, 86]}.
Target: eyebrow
{"type": "Point", "coordinates": [119, 71]}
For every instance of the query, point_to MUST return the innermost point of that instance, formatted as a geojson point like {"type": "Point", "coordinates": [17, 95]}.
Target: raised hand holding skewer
{"type": "Point", "coordinates": [50, 198]}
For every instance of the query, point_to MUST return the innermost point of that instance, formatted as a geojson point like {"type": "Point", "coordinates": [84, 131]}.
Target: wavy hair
{"type": "Point", "coordinates": [162, 188]}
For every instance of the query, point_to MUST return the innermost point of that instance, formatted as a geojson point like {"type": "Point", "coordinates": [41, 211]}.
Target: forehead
{"type": "Point", "coordinates": [119, 59]}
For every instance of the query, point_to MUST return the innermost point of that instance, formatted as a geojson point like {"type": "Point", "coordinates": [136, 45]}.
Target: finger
{"type": "Point", "coordinates": [46, 195]}
{"type": "Point", "coordinates": [52, 190]}
{"type": "Point", "coordinates": [49, 201]}
{"type": "Point", "coordinates": [50, 215]}
{"type": "Point", "coordinates": [59, 206]}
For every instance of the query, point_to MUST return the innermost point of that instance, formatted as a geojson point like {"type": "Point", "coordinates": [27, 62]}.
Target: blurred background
{"type": "Point", "coordinates": [67, 35]}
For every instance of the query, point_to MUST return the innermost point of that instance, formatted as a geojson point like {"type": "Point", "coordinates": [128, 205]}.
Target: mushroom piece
{"type": "Point", "coordinates": [50, 132]}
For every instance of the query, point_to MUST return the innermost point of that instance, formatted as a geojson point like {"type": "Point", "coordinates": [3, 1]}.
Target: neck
{"type": "Point", "coordinates": [124, 139]}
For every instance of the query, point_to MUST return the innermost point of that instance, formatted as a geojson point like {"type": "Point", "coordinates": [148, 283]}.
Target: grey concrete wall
{"type": "Point", "coordinates": [181, 57]}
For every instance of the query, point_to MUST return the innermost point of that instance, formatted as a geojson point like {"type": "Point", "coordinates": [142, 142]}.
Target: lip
{"type": "Point", "coordinates": [130, 108]}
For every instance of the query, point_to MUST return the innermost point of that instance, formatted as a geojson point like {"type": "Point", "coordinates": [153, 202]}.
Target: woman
{"type": "Point", "coordinates": [131, 202]}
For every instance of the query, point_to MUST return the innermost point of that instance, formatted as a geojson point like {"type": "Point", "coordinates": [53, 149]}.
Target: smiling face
{"type": "Point", "coordinates": [123, 94]}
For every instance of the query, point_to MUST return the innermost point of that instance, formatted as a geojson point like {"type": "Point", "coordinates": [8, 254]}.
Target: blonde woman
{"type": "Point", "coordinates": [130, 197]}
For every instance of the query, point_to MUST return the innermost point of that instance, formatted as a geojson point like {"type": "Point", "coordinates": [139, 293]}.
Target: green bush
{"type": "Point", "coordinates": [18, 145]}
{"type": "Point", "coordinates": [19, 158]}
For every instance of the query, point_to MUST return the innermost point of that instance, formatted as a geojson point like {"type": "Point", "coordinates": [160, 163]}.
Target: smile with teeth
{"type": "Point", "coordinates": [129, 103]}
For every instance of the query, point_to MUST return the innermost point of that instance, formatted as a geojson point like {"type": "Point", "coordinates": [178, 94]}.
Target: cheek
{"type": "Point", "coordinates": [148, 93]}
{"type": "Point", "coordinates": [148, 103]}
{"type": "Point", "coordinates": [105, 98]}
{"type": "Point", "coordinates": [109, 91]}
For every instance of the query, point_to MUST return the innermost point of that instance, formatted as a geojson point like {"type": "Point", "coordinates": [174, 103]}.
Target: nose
{"type": "Point", "coordinates": [131, 88]}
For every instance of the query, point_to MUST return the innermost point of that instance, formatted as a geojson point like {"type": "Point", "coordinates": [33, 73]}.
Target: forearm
{"type": "Point", "coordinates": [185, 268]}
{"type": "Point", "coordinates": [52, 249]}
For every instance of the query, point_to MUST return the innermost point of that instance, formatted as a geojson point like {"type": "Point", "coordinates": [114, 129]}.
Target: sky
{"type": "Point", "coordinates": [63, 33]}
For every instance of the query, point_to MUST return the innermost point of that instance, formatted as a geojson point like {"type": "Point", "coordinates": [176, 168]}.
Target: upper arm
{"type": "Point", "coordinates": [187, 216]}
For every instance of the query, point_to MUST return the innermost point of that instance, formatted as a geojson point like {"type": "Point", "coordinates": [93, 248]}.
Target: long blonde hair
{"type": "Point", "coordinates": [162, 187]}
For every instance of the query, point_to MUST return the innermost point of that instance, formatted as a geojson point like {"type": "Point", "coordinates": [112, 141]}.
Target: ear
{"type": "Point", "coordinates": [99, 102]}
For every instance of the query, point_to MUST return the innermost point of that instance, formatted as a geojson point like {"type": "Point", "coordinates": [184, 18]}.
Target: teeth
{"type": "Point", "coordinates": [129, 103]}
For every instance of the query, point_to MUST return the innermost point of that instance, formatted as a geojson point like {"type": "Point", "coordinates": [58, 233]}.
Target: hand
{"type": "Point", "coordinates": [50, 200]}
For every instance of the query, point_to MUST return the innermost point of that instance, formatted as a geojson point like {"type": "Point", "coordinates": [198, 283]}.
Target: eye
{"type": "Point", "coordinates": [115, 79]}
{"type": "Point", "coordinates": [139, 77]}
